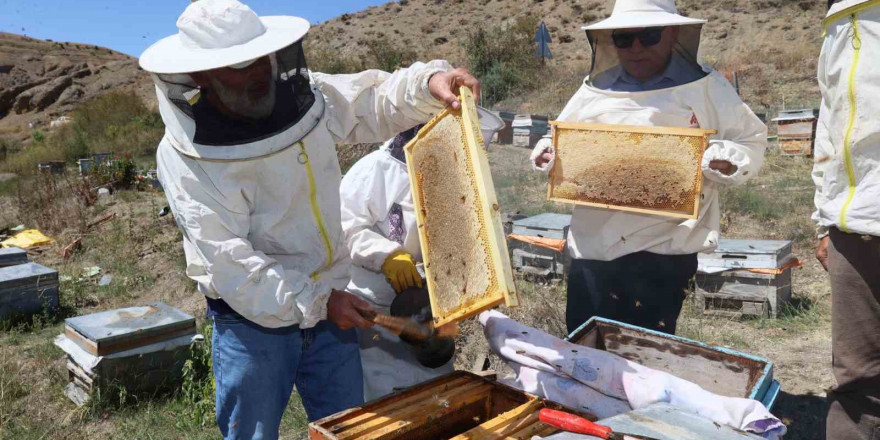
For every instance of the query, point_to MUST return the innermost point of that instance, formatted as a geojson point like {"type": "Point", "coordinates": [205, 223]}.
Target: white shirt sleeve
{"type": "Point", "coordinates": [365, 202]}
{"type": "Point", "coordinates": [373, 105]}
{"type": "Point", "coordinates": [741, 138]}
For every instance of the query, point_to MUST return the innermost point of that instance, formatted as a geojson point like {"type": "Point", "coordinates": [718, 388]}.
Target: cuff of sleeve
{"type": "Point", "coordinates": [313, 304]}
{"type": "Point", "coordinates": [718, 151]}
{"type": "Point", "coordinates": [426, 91]}
{"type": "Point", "coordinates": [821, 231]}
{"type": "Point", "coordinates": [540, 147]}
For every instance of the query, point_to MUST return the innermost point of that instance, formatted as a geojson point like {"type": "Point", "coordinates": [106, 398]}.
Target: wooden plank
{"type": "Point", "coordinates": [505, 424]}
{"type": "Point", "coordinates": [491, 209]}
{"type": "Point", "coordinates": [678, 131]}
{"type": "Point", "coordinates": [454, 397]}
{"type": "Point", "coordinates": [389, 405]}
{"type": "Point", "coordinates": [422, 415]}
{"type": "Point", "coordinates": [394, 400]}
{"type": "Point", "coordinates": [536, 429]}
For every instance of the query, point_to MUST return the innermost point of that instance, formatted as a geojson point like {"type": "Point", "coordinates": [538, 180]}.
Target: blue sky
{"type": "Point", "coordinates": [130, 26]}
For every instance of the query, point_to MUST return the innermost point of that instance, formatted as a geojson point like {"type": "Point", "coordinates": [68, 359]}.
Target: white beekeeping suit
{"type": "Point", "coordinates": [847, 169]}
{"type": "Point", "coordinates": [373, 191]}
{"type": "Point", "coordinates": [709, 102]}
{"type": "Point", "coordinates": [259, 209]}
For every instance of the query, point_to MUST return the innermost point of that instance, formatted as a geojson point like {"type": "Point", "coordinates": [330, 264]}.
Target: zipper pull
{"type": "Point", "coordinates": [856, 38]}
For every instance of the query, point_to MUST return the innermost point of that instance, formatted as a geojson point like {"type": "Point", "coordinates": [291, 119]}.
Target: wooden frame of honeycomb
{"type": "Point", "coordinates": [463, 245]}
{"type": "Point", "coordinates": [648, 170]}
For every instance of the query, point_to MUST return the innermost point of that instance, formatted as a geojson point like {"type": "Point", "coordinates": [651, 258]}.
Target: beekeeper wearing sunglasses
{"type": "Point", "coordinates": [248, 163]}
{"type": "Point", "coordinates": [635, 267]}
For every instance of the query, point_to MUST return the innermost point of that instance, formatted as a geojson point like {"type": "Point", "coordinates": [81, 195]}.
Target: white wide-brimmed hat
{"type": "Point", "coordinates": [220, 33]}
{"type": "Point", "coordinates": [643, 13]}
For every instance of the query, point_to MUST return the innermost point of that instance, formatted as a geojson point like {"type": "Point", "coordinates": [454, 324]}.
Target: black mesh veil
{"type": "Point", "coordinates": [293, 99]}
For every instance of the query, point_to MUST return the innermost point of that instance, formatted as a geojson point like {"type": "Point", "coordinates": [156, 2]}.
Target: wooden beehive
{"type": "Point", "coordinates": [458, 406]}
{"type": "Point", "coordinates": [12, 256]}
{"type": "Point", "coordinates": [462, 237]}
{"type": "Point", "coordinates": [716, 369]}
{"type": "Point", "coordinates": [652, 170]}
{"type": "Point", "coordinates": [27, 289]}
{"type": "Point", "coordinates": [741, 290]}
{"type": "Point", "coordinates": [113, 331]}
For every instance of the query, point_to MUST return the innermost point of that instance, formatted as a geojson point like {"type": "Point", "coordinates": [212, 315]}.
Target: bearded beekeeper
{"type": "Point", "coordinates": [847, 177]}
{"type": "Point", "coordinates": [379, 223]}
{"type": "Point", "coordinates": [635, 267]}
{"type": "Point", "coordinates": [249, 167]}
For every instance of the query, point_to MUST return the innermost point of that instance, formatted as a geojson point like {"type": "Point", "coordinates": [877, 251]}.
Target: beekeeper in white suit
{"type": "Point", "coordinates": [248, 164]}
{"type": "Point", "coordinates": [635, 267]}
{"type": "Point", "coordinates": [847, 198]}
{"type": "Point", "coordinates": [379, 222]}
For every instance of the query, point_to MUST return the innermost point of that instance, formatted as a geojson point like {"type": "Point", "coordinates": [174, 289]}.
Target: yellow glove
{"type": "Point", "coordinates": [401, 271]}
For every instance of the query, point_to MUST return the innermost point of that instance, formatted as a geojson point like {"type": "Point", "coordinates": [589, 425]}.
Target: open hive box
{"type": "Point", "coordinates": [653, 170]}
{"type": "Point", "coordinates": [716, 369]}
{"type": "Point", "coordinates": [462, 237]}
{"type": "Point", "coordinates": [458, 406]}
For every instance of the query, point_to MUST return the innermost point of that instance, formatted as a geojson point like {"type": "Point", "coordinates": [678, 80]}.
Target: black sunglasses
{"type": "Point", "coordinates": [647, 36]}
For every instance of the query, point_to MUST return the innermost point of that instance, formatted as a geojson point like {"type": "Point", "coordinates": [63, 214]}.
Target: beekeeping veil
{"type": "Point", "coordinates": [225, 33]}
{"type": "Point", "coordinates": [633, 14]}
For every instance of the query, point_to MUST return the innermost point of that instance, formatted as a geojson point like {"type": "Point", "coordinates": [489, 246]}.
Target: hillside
{"type": "Point", "coordinates": [41, 80]}
{"type": "Point", "coordinates": [771, 44]}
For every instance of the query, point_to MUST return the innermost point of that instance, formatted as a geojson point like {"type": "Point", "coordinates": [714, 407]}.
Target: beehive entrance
{"type": "Point", "coordinates": [647, 169]}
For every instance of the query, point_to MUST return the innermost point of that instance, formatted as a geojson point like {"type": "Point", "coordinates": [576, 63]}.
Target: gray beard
{"type": "Point", "coordinates": [242, 104]}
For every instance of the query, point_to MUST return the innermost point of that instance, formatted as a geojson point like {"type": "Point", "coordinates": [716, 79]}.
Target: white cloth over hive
{"type": "Point", "coordinates": [368, 191]}
{"type": "Point", "coordinates": [709, 103]}
{"type": "Point", "coordinates": [587, 379]}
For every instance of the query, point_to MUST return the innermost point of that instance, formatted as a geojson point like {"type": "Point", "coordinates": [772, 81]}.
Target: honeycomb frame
{"type": "Point", "coordinates": [490, 241]}
{"type": "Point", "coordinates": [685, 205]}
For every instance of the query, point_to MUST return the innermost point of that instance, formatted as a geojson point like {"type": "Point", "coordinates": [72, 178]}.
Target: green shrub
{"type": "Point", "coordinates": [386, 55]}
{"type": "Point", "coordinates": [115, 122]}
{"type": "Point", "coordinates": [121, 173]}
{"type": "Point", "coordinates": [503, 58]}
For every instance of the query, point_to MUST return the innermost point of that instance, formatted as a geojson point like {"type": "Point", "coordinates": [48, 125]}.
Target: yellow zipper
{"type": "Point", "coordinates": [316, 210]}
{"type": "Point", "coordinates": [853, 10]}
{"type": "Point", "coordinates": [850, 126]}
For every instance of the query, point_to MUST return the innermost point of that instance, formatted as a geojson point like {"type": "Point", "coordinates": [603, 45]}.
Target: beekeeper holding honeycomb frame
{"type": "Point", "coordinates": [635, 267]}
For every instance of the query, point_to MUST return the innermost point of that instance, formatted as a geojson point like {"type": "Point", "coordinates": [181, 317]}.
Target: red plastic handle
{"type": "Point", "coordinates": [572, 423]}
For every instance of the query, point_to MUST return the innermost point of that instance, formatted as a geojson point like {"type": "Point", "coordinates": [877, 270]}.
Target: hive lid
{"type": "Point", "coordinates": [547, 220]}
{"type": "Point", "coordinates": [648, 170]}
{"type": "Point", "coordinates": [117, 330]}
{"type": "Point", "coordinates": [462, 237]}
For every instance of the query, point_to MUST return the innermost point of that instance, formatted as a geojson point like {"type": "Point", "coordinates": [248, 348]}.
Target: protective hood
{"type": "Point", "coordinates": [604, 53]}
{"type": "Point", "coordinates": [633, 14]}
{"type": "Point", "coordinates": [195, 128]}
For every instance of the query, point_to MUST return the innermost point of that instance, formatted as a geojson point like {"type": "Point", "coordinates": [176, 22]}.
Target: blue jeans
{"type": "Point", "coordinates": [256, 368]}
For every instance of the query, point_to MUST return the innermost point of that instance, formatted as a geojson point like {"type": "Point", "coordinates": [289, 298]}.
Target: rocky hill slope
{"type": "Point", "coordinates": [41, 80]}
{"type": "Point", "coordinates": [771, 44]}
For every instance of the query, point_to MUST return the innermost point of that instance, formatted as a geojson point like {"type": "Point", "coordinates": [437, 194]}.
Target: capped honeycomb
{"type": "Point", "coordinates": [466, 261]}
{"type": "Point", "coordinates": [655, 170]}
